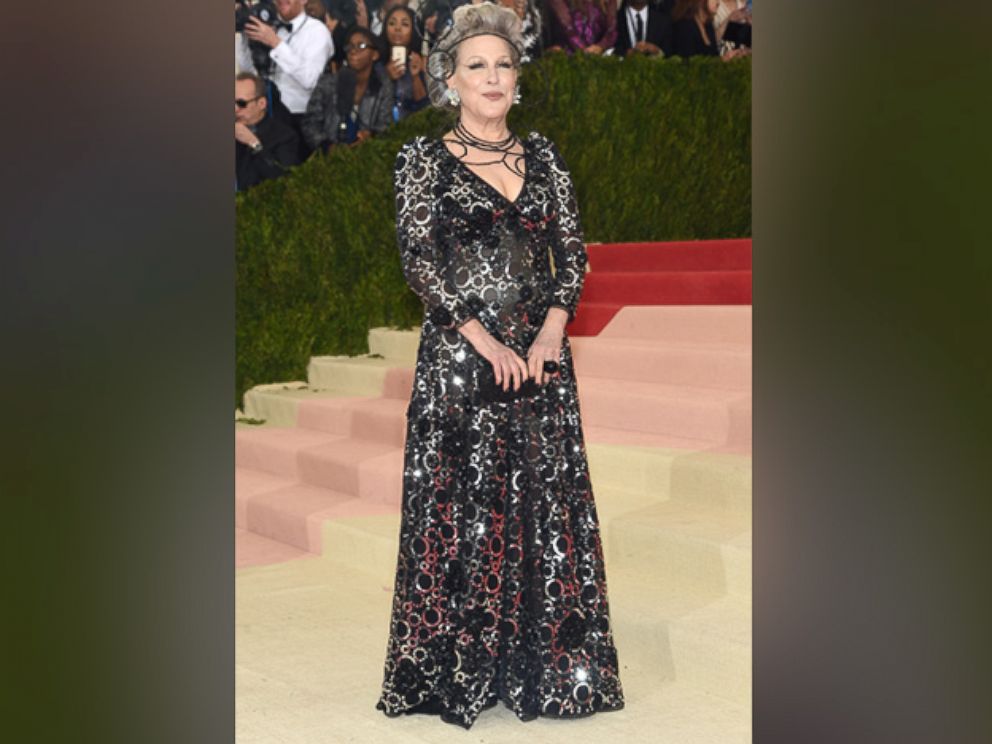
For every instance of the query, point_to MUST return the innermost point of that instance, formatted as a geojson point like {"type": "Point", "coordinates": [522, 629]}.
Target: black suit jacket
{"type": "Point", "coordinates": [658, 32]}
{"type": "Point", "coordinates": [280, 150]}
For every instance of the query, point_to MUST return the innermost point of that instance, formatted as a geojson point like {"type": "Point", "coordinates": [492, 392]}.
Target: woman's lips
{"type": "Point", "coordinates": [493, 96]}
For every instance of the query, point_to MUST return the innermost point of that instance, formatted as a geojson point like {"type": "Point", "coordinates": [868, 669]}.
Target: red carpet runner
{"type": "Point", "coordinates": [704, 272]}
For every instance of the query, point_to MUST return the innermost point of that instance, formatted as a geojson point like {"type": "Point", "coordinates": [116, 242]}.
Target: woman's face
{"type": "Point", "coordinates": [399, 30]}
{"type": "Point", "coordinates": [712, 6]}
{"type": "Point", "coordinates": [360, 59]}
{"type": "Point", "coordinates": [484, 76]}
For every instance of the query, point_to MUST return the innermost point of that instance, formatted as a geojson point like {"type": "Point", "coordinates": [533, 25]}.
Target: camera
{"type": "Point", "coordinates": [265, 11]}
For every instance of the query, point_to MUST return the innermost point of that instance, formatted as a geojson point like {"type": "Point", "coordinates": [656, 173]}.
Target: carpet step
{"type": "Point", "coordinates": [724, 366]}
{"type": "Point", "coordinates": [704, 324]}
{"type": "Point", "coordinates": [359, 468]}
{"type": "Point", "coordinates": [277, 450]}
{"type": "Point", "coordinates": [394, 344]}
{"type": "Point", "coordinates": [280, 406]}
{"type": "Point", "coordinates": [719, 480]}
{"type": "Point", "coordinates": [275, 404]}
{"type": "Point", "coordinates": [295, 515]}
{"type": "Point", "coordinates": [686, 547]}
{"type": "Point", "coordinates": [701, 478]}
{"type": "Point", "coordinates": [644, 470]}
{"type": "Point", "coordinates": [330, 414]}
{"type": "Point", "coordinates": [249, 483]}
{"type": "Point", "coordinates": [592, 317]}
{"type": "Point", "coordinates": [255, 550]}
{"type": "Point", "coordinates": [398, 383]}
{"type": "Point", "coordinates": [712, 649]}
{"type": "Point", "coordinates": [674, 256]}
{"type": "Point", "coordinates": [686, 638]}
{"type": "Point", "coordinates": [351, 375]}
{"type": "Point", "coordinates": [369, 543]}
{"type": "Point", "coordinates": [669, 287]}
{"type": "Point", "coordinates": [694, 413]}
{"type": "Point", "coordinates": [689, 638]}
{"type": "Point", "coordinates": [380, 420]}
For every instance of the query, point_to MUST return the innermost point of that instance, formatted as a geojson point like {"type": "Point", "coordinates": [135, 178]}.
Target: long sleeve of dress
{"type": "Point", "coordinates": [568, 243]}
{"type": "Point", "coordinates": [413, 179]}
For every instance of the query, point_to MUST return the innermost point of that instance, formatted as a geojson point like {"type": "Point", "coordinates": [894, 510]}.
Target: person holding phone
{"type": "Point", "coordinates": [405, 65]}
{"type": "Point", "coordinates": [350, 105]}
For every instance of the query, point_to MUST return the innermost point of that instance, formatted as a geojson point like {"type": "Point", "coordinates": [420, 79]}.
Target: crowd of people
{"type": "Point", "coordinates": [312, 75]}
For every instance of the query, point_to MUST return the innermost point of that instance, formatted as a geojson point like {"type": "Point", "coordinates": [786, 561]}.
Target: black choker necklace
{"type": "Point", "coordinates": [513, 161]}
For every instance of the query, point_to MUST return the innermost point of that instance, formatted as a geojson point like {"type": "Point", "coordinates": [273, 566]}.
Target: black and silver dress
{"type": "Point", "coordinates": [500, 590]}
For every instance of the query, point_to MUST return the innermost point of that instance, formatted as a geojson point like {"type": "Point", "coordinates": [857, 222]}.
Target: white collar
{"type": "Point", "coordinates": [642, 12]}
{"type": "Point", "coordinates": [296, 22]}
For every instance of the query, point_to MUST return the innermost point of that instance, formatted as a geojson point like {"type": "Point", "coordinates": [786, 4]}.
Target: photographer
{"type": "Point", "coordinates": [299, 49]}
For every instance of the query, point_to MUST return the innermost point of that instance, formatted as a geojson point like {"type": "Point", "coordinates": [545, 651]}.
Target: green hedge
{"type": "Point", "coordinates": [659, 150]}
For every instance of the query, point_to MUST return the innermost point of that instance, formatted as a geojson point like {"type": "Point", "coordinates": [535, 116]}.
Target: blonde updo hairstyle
{"type": "Point", "coordinates": [468, 21]}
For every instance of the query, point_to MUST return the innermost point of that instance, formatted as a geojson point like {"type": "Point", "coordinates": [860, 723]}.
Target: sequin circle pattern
{"type": "Point", "coordinates": [500, 590]}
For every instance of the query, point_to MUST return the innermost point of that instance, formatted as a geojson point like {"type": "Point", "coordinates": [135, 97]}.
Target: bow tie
{"type": "Point", "coordinates": [287, 26]}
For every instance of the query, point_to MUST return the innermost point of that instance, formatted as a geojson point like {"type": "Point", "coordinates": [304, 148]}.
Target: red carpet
{"type": "Point", "coordinates": [704, 272]}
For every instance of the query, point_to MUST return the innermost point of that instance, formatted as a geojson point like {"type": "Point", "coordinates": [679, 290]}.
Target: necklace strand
{"type": "Point", "coordinates": [512, 161]}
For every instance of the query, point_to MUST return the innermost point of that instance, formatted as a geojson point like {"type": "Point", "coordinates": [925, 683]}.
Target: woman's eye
{"type": "Point", "coordinates": [506, 65]}
{"type": "Point", "coordinates": [475, 66]}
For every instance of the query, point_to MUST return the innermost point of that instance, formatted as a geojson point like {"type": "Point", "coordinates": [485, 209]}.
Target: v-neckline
{"type": "Point", "coordinates": [504, 197]}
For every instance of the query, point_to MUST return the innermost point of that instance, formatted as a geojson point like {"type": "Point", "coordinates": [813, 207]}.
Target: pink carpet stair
{"type": "Point", "coordinates": [705, 272]}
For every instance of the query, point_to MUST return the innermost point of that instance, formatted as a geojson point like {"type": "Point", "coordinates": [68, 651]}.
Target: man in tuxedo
{"type": "Point", "coordinates": [299, 49]}
{"type": "Point", "coordinates": [642, 28]}
{"type": "Point", "coordinates": [264, 146]}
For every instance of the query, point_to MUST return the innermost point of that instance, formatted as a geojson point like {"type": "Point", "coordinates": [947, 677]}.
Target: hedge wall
{"type": "Point", "coordinates": [659, 150]}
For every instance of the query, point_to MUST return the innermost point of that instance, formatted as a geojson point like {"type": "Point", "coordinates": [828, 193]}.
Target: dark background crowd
{"type": "Point", "coordinates": [312, 75]}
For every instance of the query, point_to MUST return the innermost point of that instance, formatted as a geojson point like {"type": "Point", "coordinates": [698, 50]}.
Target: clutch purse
{"type": "Point", "coordinates": [490, 392]}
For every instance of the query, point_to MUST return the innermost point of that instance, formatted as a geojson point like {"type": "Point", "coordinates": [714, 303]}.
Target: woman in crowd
{"type": "Point", "coordinates": [500, 592]}
{"type": "Point", "coordinates": [409, 77]}
{"type": "Point", "coordinates": [376, 13]}
{"type": "Point", "coordinates": [583, 25]}
{"type": "Point", "coordinates": [694, 32]}
{"type": "Point", "coordinates": [372, 99]}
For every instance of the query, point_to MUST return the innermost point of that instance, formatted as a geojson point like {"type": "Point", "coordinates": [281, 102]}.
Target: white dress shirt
{"type": "Point", "coordinates": [632, 24]}
{"type": "Point", "coordinates": [299, 60]}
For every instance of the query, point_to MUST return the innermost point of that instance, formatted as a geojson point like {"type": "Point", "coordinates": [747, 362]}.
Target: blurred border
{"type": "Point", "coordinates": [872, 315]}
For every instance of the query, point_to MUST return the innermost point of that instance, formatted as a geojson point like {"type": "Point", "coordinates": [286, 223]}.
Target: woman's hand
{"type": "Point", "coordinates": [508, 367]}
{"type": "Point", "coordinates": [547, 345]}
{"type": "Point", "coordinates": [394, 70]}
{"type": "Point", "coordinates": [416, 64]}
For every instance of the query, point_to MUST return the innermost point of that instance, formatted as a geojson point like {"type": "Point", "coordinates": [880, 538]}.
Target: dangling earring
{"type": "Point", "coordinates": [453, 98]}
{"type": "Point", "coordinates": [516, 94]}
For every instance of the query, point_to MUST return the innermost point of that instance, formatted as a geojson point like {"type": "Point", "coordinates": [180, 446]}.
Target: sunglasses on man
{"type": "Point", "coordinates": [242, 102]}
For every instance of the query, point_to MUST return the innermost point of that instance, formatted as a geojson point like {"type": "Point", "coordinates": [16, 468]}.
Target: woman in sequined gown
{"type": "Point", "coordinates": [500, 590]}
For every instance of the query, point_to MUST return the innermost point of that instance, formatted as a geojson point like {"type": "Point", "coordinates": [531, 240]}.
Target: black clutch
{"type": "Point", "coordinates": [490, 392]}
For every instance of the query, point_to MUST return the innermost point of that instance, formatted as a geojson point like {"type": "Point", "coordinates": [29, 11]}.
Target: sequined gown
{"type": "Point", "coordinates": [500, 590]}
